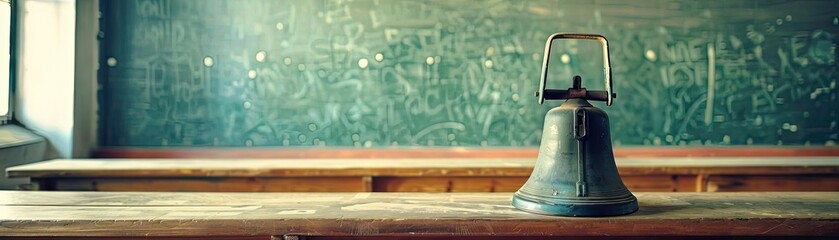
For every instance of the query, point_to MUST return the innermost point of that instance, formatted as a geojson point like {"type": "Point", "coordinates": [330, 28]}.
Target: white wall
{"type": "Point", "coordinates": [44, 96]}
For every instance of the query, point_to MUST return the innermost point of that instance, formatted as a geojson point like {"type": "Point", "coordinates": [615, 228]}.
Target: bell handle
{"type": "Point", "coordinates": [607, 68]}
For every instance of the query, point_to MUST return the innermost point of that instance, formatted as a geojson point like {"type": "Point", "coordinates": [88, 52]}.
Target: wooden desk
{"type": "Point", "coordinates": [660, 174]}
{"type": "Point", "coordinates": [353, 215]}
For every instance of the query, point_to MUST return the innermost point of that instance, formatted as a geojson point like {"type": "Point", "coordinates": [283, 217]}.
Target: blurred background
{"type": "Point", "coordinates": [460, 73]}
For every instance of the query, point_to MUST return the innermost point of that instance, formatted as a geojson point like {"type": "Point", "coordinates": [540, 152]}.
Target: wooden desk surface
{"type": "Point", "coordinates": [406, 167]}
{"type": "Point", "coordinates": [126, 214]}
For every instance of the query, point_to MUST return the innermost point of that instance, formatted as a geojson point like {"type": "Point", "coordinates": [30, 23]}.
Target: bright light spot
{"type": "Point", "coordinates": [429, 60]}
{"type": "Point", "coordinates": [488, 63]}
{"type": "Point", "coordinates": [112, 62]}
{"type": "Point", "coordinates": [565, 59]}
{"type": "Point", "coordinates": [260, 56]}
{"type": "Point", "coordinates": [362, 63]}
{"type": "Point", "coordinates": [251, 74]}
{"type": "Point", "coordinates": [380, 57]}
{"type": "Point", "coordinates": [650, 54]}
{"type": "Point", "coordinates": [208, 61]}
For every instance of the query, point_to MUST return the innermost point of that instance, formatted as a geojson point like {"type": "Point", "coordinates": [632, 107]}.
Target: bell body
{"type": "Point", "coordinates": [575, 173]}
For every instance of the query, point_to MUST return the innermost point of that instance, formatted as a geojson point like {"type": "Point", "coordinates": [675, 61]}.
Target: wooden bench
{"type": "Point", "coordinates": [659, 174]}
{"type": "Point", "coordinates": [166, 215]}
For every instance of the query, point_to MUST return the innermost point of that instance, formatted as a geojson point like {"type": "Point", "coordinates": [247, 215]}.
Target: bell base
{"type": "Point", "coordinates": [578, 208]}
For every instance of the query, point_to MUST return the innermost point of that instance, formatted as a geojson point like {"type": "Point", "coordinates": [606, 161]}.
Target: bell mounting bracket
{"type": "Point", "coordinates": [577, 91]}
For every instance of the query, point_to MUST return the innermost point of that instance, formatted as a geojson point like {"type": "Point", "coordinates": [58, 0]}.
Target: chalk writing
{"type": "Point", "coordinates": [369, 73]}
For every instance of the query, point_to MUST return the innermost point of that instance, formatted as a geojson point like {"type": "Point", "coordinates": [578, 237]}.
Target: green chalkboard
{"type": "Point", "coordinates": [372, 73]}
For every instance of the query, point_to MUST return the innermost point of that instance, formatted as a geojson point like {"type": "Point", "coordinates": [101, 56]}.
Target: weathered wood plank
{"type": "Point", "coordinates": [204, 184]}
{"type": "Point", "coordinates": [449, 152]}
{"type": "Point", "coordinates": [510, 167]}
{"type": "Point", "coordinates": [74, 214]}
{"type": "Point", "coordinates": [651, 183]}
{"type": "Point", "coordinates": [739, 183]}
{"type": "Point", "coordinates": [448, 184]}
{"type": "Point", "coordinates": [635, 183]}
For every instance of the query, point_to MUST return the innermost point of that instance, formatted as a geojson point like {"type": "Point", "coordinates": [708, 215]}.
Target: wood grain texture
{"type": "Point", "coordinates": [452, 167]}
{"type": "Point", "coordinates": [133, 214]}
{"type": "Point", "coordinates": [250, 184]}
{"type": "Point", "coordinates": [650, 183]}
{"type": "Point", "coordinates": [418, 175]}
{"type": "Point", "coordinates": [447, 152]}
{"type": "Point", "coordinates": [562, 238]}
{"type": "Point", "coordinates": [635, 183]}
{"type": "Point", "coordinates": [740, 183]}
{"type": "Point", "coordinates": [448, 184]}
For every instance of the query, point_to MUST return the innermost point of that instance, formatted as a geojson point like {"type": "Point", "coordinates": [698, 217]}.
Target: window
{"type": "Point", "coordinates": [5, 58]}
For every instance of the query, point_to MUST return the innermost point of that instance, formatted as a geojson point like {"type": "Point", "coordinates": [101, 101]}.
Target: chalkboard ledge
{"type": "Point", "coordinates": [452, 152]}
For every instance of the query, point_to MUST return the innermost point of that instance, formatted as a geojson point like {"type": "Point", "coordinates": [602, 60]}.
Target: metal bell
{"type": "Point", "coordinates": [575, 173]}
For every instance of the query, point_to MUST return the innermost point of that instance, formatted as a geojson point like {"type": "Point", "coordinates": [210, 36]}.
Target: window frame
{"type": "Point", "coordinates": [13, 56]}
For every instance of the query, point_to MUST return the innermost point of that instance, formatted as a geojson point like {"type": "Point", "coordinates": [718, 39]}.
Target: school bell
{"type": "Point", "coordinates": [575, 172]}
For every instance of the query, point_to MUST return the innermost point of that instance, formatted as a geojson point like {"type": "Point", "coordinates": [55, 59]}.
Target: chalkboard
{"type": "Point", "coordinates": [372, 73]}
